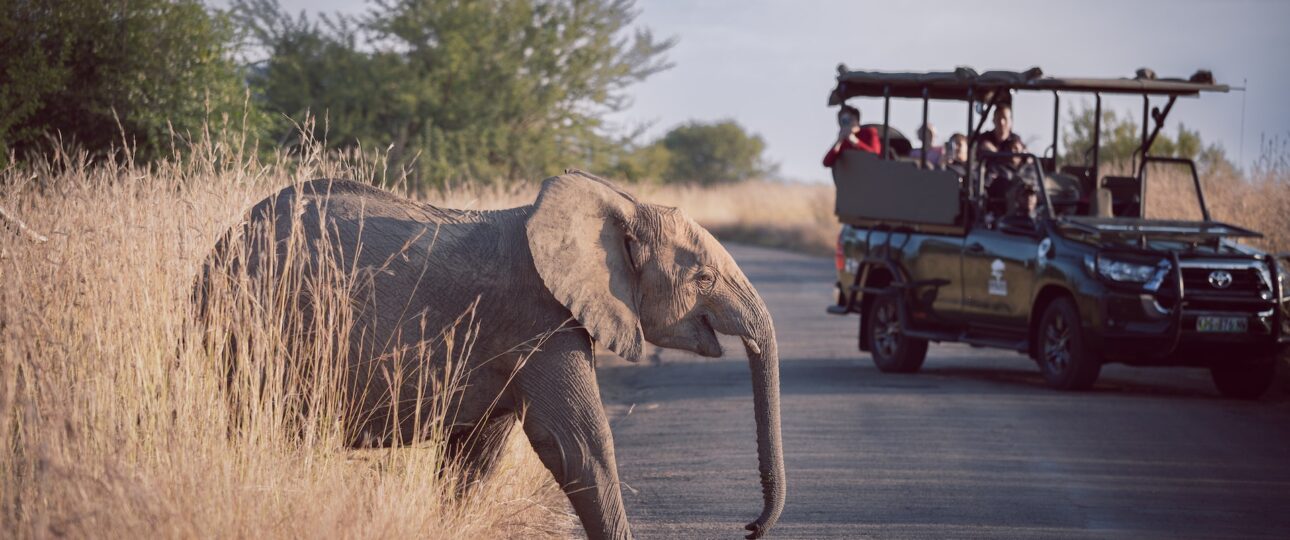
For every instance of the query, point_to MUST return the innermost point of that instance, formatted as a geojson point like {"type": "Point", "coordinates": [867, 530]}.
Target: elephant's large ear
{"type": "Point", "coordinates": [579, 234]}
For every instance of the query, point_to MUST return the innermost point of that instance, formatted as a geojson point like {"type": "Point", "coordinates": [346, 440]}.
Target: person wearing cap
{"type": "Point", "coordinates": [1024, 206]}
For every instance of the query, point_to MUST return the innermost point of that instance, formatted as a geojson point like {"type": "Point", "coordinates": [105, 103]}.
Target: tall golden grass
{"type": "Point", "coordinates": [1260, 202]}
{"type": "Point", "coordinates": [117, 417]}
{"type": "Point", "coordinates": [761, 212]}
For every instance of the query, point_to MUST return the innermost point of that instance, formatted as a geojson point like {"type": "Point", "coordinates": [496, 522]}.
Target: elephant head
{"type": "Point", "coordinates": [631, 272]}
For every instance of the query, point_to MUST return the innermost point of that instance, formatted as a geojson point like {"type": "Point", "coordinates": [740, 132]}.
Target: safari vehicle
{"type": "Point", "coordinates": [1091, 279]}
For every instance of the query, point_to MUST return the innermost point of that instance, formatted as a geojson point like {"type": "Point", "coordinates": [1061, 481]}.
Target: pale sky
{"type": "Point", "coordinates": [770, 64]}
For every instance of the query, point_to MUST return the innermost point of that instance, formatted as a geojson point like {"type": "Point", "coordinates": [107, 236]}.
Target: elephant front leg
{"type": "Point", "coordinates": [566, 424]}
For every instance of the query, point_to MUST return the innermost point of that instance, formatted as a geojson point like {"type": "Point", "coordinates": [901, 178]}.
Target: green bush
{"type": "Point", "coordinates": [714, 153]}
{"type": "Point", "coordinates": [100, 75]}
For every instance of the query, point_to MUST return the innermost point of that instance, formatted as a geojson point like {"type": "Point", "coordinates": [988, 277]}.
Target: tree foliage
{"type": "Point", "coordinates": [451, 90]}
{"type": "Point", "coordinates": [714, 153]}
{"type": "Point", "coordinates": [1121, 137]}
{"type": "Point", "coordinates": [104, 74]}
{"type": "Point", "coordinates": [458, 90]}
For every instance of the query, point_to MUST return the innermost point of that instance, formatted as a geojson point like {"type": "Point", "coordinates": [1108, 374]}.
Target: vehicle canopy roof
{"type": "Point", "coordinates": [964, 82]}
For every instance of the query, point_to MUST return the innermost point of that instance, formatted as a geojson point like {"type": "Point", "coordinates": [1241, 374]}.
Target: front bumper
{"type": "Point", "coordinates": [1136, 329]}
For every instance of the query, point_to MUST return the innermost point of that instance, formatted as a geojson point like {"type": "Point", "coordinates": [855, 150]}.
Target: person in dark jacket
{"type": "Point", "coordinates": [852, 136]}
{"type": "Point", "coordinates": [1002, 136]}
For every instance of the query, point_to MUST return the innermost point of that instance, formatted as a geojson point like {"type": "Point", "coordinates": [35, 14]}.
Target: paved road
{"type": "Point", "coordinates": [973, 447]}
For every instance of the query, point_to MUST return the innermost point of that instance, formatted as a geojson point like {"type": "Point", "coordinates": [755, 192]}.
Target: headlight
{"type": "Point", "coordinates": [1282, 269]}
{"type": "Point", "coordinates": [1148, 274]}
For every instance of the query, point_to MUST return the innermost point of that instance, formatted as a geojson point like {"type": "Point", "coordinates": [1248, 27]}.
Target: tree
{"type": "Point", "coordinates": [648, 163]}
{"type": "Point", "coordinates": [713, 153]}
{"type": "Point", "coordinates": [1121, 137]}
{"type": "Point", "coordinates": [459, 90]}
{"type": "Point", "coordinates": [103, 74]}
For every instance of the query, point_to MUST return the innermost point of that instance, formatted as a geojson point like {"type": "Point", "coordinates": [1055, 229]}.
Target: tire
{"type": "Point", "coordinates": [1244, 381]}
{"type": "Point", "coordinates": [1065, 360]}
{"type": "Point", "coordinates": [892, 350]}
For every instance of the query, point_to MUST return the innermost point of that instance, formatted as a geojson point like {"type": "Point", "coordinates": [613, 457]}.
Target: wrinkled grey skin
{"type": "Point", "coordinates": [586, 263]}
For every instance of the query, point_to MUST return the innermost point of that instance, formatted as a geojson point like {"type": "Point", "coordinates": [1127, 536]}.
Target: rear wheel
{"type": "Point", "coordinates": [1065, 360]}
{"type": "Point", "coordinates": [892, 350]}
{"type": "Point", "coordinates": [1245, 381]}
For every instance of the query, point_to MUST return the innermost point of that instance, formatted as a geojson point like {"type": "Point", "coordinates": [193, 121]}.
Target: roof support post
{"type": "Point", "coordinates": [1159, 117]}
{"type": "Point", "coordinates": [924, 133]}
{"type": "Point", "coordinates": [1057, 108]}
{"type": "Point", "coordinates": [970, 141]}
{"type": "Point", "coordinates": [1146, 105]}
{"type": "Point", "coordinates": [1097, 138]}
{"type": "Point", "coordinates": [1148, 140]}
{"type": "Point", "coordinates": [989, 108]}
{"type": "Point", "coordinates": [1142, 149]}
{"type": "Point", "coordinates": [886, 120]}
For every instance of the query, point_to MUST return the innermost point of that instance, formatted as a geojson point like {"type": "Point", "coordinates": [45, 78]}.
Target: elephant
{"type": "Point", "coordinates": [586, 264]}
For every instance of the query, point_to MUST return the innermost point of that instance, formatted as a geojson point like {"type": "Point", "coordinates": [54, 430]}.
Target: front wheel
{"type": "Point", "coordinates": [1066, 361]}
{"type": "Point", "coordinates": [892, 350]}
{"type": "Point", "coordinates": [1244, 381]}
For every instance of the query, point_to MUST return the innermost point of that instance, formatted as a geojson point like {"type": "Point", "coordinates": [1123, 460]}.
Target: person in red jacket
{"type": "Point", "coordinates": [852, 136]}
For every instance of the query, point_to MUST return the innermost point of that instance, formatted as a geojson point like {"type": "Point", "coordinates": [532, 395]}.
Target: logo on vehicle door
{"type": "Point", "coordinates": [1220, 279]}
{"type": "Point", "coordinates": [998, 286]}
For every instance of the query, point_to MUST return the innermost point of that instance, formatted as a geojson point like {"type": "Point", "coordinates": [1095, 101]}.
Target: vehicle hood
{"type": "Point", "coordinates": [1165, 235]}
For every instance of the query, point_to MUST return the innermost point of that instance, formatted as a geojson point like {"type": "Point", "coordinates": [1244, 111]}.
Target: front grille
{"type": "Point", "coordinates": [1245, 282]}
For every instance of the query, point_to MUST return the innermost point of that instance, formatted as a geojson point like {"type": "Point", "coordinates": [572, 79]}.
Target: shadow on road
{"type": "Point", "coordinates": [730, 378]}
{"type": "Point", "coordinates": [1033, 379]}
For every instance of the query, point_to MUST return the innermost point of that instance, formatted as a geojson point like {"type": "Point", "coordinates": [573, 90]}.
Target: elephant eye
{"type": "Point", "coordinates": [631, 257]}
{"type": "Point", "coordinates": [705, 280]}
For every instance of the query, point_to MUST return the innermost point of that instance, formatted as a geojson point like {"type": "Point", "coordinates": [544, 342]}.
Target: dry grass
{"type": "Point", "coordinates": [791, 216]}
{"type": "Point", "coordinates": [798, 217]}
{"type": "Point", "coordinates": [1261, 203]}
{"type": "Point", "coordinates": [115, 420]}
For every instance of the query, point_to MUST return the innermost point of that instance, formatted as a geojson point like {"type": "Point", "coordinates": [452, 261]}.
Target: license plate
{"type": "Point", "coordinates": [1224, 325]}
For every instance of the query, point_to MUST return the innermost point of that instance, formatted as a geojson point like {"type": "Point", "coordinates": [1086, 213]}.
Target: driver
{"type": "Point", "coordinates": [1025, 201]}
{"type": "Point", "coordinates": [1004, 175]}
{"type": "Point", "coordinates": [852, 136]}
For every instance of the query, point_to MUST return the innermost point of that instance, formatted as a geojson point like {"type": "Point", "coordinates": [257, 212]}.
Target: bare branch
{"type": "Point", "coordinates": [22, 227]}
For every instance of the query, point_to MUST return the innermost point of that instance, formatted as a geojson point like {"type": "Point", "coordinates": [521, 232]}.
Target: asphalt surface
{"type": "Point", "coordinates": [974, 446]}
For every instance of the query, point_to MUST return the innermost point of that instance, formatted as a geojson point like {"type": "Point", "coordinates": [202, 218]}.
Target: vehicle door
{"type": "Point", "coordinates": [999, 274]}
{"type": "Point", "coordinates": [935, 263]}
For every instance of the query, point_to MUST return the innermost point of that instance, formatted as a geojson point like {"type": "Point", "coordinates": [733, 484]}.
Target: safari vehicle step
{"type": "Point", "coordinates": [976, 340]}
{"type": "Point", "coordinates": [1086, 278]}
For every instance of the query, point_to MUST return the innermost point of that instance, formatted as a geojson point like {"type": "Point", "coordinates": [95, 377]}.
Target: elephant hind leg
{"type": "Point", "coordinates": [476, 452]}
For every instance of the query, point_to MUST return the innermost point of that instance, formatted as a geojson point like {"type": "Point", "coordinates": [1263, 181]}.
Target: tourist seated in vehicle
{"type": "Point", "coordinates": [852, 137]}
{"type": "Point", "coordinates": [935, 154]}
{"type": "Point", "coordinates": [999, 138]}
{"type": "Point", "coordinates": [955, 156]}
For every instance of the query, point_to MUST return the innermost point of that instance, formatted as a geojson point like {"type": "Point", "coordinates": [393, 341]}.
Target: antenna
{"type": "Point", "coordinates": [1244, 85]}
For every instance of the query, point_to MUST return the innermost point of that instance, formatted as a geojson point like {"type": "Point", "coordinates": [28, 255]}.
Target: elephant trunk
{"type": "Point", "coordinates": [763, 360]}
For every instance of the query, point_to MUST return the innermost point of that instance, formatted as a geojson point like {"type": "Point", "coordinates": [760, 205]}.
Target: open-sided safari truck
{"type": "Point", "coordinates": [1092, 277]}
